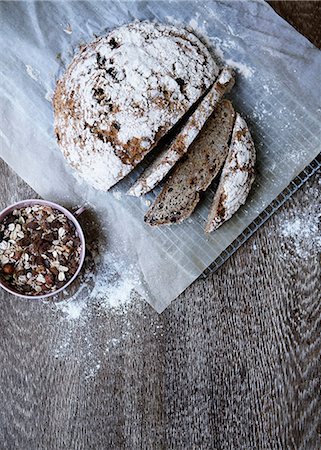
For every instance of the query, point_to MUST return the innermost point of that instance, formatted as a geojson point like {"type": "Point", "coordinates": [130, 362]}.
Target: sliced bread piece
{"type": "Point", "coordinates": [166, 160]}
{"type": "Point", "coordinates": [195, 171]}
{"type": "Point", "coordinates": [236, 179]}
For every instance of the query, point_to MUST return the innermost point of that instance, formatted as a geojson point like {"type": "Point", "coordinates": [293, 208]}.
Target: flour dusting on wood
{"type": "Point", "coordinates": [302, 234]}
{"type": "Point", "coordinates": [105, 293]}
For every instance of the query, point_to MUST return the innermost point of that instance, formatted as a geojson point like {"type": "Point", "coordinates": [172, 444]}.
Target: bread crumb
{"type": "Point", "coordinates": [117, 194]}
{"type": "Point", "coordinates": [243, 69]}
{"type": "Point", "coordinates": [68, 29]}
{"type": "Point", "coordinates": [33, 73]}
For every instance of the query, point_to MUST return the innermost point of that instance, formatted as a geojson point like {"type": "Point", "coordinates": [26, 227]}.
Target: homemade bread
{"type": "Point", "coordinates": [123, 92]}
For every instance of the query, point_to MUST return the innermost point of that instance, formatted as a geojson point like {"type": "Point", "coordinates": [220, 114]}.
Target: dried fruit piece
{"type": "Point", "coordinates": [8, 269]}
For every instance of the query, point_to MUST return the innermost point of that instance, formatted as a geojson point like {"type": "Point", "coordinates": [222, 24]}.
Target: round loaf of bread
{"type": "Point", "coordinates": [123, 92]}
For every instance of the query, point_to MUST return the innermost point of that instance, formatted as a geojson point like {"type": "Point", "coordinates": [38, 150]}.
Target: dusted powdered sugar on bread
{"type": "Point", "coordinates": [123, 92]}
{"type": "Point", "coordinates": [195, 171]}
{"type": "Point", "coordinates": [166, 160]}
{"type": "Point", "coordinates": [237, 177]}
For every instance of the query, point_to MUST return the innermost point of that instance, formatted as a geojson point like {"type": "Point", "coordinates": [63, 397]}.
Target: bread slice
{"type": "Point", "coordinates": [166, 160]}
{"type": "Point", "coordinates": [236, 179]}
{"type": "Point", "coordinates": [123, 92]}
{"type": "Point", "coordinates": [195, 171]}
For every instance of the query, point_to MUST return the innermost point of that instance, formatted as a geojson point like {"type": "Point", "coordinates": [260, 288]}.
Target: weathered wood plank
{"type": "Point", "coordinates": [252, 335]}
{"type": "Point", "coordinates": [234, 363]}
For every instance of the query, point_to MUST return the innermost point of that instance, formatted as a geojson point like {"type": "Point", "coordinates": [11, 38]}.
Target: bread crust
{"type": "Point", "coordinates": [236, 179]}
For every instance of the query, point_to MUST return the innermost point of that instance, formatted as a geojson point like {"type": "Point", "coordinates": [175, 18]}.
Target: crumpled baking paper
{"type": "Point", "coordinates": [278, 91]}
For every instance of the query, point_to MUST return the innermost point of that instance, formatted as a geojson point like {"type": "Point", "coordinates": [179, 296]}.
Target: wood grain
{"type": "Point", "coordinates": [305, 16]}
{"type": "Point", "coordinates": [234, 363]}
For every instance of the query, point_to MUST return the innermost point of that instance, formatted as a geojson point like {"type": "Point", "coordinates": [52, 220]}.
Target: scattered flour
{"type": "Point", "coordinates": [110, 286]}
{"type": "Point", "coordinates": [221, 46]}
{"type": "Point", "coordinates": [242, 68]}
{"type": "Point", "coordinates": [33, 73]}
{"type": "Point", "coordinates": [71, 309]}
{"type": "Point", "coordinates": [92, 320]}
{"type": "Point", "coordinates": [68, 29]}
{"type": "Point", "coordinates": [267, 89]}
{"type": "Point", "coordinates": [304, 234]}
{"type": "Point", "coordinates": [117, 195]}
{"type": "Point", "coordinates": [49, 96]}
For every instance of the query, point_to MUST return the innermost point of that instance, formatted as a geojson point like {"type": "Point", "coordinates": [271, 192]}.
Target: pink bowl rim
{"type": "Point", "coordinates": [72, 217]}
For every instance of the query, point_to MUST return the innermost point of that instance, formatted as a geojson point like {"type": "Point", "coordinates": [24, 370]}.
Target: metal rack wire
{"type": "Point", "coordinates": [295, 184]}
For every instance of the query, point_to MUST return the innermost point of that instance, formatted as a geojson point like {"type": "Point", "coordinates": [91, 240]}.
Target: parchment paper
{"type": "Point", "coordinates": [278, 91]}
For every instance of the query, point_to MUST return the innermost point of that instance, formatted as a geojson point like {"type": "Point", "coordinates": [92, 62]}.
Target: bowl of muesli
{"type": "Point", "coordinates": [42, 248]}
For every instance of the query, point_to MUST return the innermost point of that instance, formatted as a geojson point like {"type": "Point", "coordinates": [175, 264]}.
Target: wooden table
{"type": "Point", "coordinates": [234, 363]}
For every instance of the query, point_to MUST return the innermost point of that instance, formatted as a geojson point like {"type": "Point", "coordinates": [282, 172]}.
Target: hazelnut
{"type": "Point", "coordinates": [8, 269]}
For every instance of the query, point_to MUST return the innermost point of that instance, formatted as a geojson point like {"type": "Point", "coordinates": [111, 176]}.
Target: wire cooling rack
{"type": "Point", "coordinates": [295, 184]}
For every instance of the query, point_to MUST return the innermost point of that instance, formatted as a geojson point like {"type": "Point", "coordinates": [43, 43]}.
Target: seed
{"type": "Point", "coordinates": [61, 276]}
{"type": "Point", "coordinates": [32, 225]}
{"type": "Point", "coordinates": [3, 245]}
{"type": "Point", "coordinates": [40, 278]}
{"type": "Point", "coordinates": [13, 235]}
{"type": "Point", "coordinates": [17, 255]}
{"type": "Point", "coordinates": [39, 260]}
{"type": "Point", "coordinates": [44, 246]}
{"type": "Point", "coordinates": [54, 270]}
{"type": "Point", "coordinates": [30, 236]}
{"type": "Point", "coordinates": [4, 259]}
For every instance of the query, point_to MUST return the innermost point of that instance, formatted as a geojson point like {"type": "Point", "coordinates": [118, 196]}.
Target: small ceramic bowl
{"type": "Point", "coordinates": [72, 217]}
